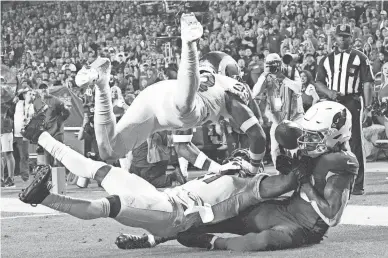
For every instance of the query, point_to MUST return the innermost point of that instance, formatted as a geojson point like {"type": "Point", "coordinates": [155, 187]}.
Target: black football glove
{"type": "Point", "coordinates": [300, 166]}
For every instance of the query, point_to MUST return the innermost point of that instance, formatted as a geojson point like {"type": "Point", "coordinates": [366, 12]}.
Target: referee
{"type": "Point", "coordinates": [345, 76]}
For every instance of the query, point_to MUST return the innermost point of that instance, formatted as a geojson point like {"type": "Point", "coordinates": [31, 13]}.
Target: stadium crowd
{"type": "Point", "coordinates": [49, 42]}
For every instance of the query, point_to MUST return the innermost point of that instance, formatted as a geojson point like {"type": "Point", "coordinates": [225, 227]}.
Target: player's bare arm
{"type": "Point", "coordinates": [336, 196]}
{"type": "Point", "coordinates": [247, 122]}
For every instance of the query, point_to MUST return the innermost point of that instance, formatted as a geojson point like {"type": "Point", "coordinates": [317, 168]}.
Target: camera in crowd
{"type": "Point", "coordinates": [292, 58]}
{"type": "Point", "coordinates": [273, 63]}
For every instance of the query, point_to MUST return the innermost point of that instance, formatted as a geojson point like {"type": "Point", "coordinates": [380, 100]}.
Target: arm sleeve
{"type": "Point", "coordinates": [321, 72]}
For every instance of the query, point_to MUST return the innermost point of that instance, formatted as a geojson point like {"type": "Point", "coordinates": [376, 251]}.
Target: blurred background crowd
{"type": "Point", "coordinates": [46, 43]}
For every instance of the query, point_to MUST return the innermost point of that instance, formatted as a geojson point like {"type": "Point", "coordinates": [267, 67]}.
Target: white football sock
{"type": "Point", "coordinates": [82, 209]}
{"type": "Point", "coordinates": [183, 165]}
{"type": "Point", "coordinates": [72, 160]}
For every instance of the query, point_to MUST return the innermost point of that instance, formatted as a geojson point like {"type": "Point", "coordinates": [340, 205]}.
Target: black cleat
{"type": "Point", "coordinates": [34, 128]}
{"type": "Point", "coordinates": [195, 240]}
{"type": "Point", "coordinates": [9, 183]}
{"type": "Point", "coordinates": [39, 188]}
{"type": "Point", "coordinates": [127, 241]}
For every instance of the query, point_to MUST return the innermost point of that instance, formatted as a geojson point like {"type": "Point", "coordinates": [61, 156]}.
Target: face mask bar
{"type": "Point", "coordinates": [312, 141]}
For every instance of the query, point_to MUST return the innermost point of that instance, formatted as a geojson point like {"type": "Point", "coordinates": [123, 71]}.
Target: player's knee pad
{"type": "Point", "coordinates": [115, 205]}
{"type": "Point", "coordinates": [102, 172]}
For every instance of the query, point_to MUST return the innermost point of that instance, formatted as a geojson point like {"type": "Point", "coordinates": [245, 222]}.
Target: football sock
{"type": "Point", "coordinates": [183, 165]}
{"type": "Point", "coordinates": [72, 160]}
{"type": "Point", "coordinates": [188, 74]}
{"type": "Point", "coordinates": [82, 209]}
{"type": "Point", "coordinates": [103, 109]}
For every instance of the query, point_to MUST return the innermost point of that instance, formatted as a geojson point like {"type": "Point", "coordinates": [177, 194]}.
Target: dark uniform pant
{"type": "Point", "coordinates": [276, 227]}
{"type": "Point", "coordinates": [155, 174]}
{"type": "Point", "coordinates": [355, 105]}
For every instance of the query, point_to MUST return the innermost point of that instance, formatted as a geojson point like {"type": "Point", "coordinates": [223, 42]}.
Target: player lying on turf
{"type": "Point", "coordinates": [304, 217]}
{"type": "Point", "coordinates": [134, 202]}
{"type": "Point", "coordinates": [172, 105]}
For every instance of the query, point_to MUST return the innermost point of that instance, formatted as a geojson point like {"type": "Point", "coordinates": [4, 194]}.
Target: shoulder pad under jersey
{"type": "Point", "coordinates": [343, 162]}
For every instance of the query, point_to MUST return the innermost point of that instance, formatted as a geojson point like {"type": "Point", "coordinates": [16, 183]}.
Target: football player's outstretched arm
{"type": "Point", "coordinates": [331, 205]}
{"type": "Point", "coordinates": [186, 149]}
{"type": "Point", "coordinates": [274, 186]}
{"type": "Point", "coordinates": [247, 122]}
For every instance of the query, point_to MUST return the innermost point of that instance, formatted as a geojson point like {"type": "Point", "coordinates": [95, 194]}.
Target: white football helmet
{"type": "Point", "coordinates": [217, 62]}
{"type": "Point", "coordinates": [325, 125]}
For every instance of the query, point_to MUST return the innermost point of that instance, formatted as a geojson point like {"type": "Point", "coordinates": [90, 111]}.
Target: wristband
{"type": "Point", "coordinates": [151, 240]}
{"type": "Point", "coordinates": [212, 242]}
{"type": "Point", "coordinates": [201, 158]}
{"type": "Point", "coordinates": [214, 167]}
{"type": "Point", "coordinates": [255, 156]}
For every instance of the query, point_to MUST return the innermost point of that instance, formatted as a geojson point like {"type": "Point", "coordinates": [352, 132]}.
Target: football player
{"type": "Point", "coordinates": [214, 62]}
{"type": "Point", "coordinates": [304, 218]}
{"type": "Point", "coordinates": [134, 202]}
{"type": "Point", "coordinates": [173, 105]}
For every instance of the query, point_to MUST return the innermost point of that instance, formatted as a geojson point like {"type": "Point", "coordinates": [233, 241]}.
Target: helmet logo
{"type": "Point", "coordinates": [339, 120]}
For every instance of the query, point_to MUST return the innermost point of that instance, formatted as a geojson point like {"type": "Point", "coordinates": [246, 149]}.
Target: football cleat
{"type": "Point", "coordinates": [90, 74]}
{"type": "Point", "coordinates": [191, 28]}
{"type": "Point", "coordinates": [9, 183]}
{"type": "Point", "coordinates": [128, 241]}
{"type": "Point", "coordinates": [34, 128]}
{"type": "Point", "coordinates": [196, 240]}
{"type": "Point", "coordinates": [39, 188]}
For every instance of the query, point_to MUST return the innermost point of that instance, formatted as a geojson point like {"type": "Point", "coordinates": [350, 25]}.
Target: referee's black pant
{"type": "Point", "coordinates": [355, 104]}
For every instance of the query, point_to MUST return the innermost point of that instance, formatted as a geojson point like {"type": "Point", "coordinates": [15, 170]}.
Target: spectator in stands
{"type": "Point", "coordinates": [6, 144]}
{"type": "Point", "coordinates": [378, 63]}
{"type": "Point", "coordinates": [56, 112]}
{"type": "Point", "coordinates": [23, 112]}
{"type": "Point", "coordinates": [119, 105]}
{"type": "Point", "coordinates": [381, 89]}
{"type": "Point", "coordinates": [309, 94]}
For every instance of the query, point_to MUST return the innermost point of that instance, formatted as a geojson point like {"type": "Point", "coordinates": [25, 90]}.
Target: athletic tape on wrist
{"type": "Point", "coordinates": [255, 156]}
{"type": "Point", "coordinates": [249, 123]}
{"type": "Point", "coordinates": [151, 240]}
{"type": "Point", "coordinates": [212, 242]}
{"type": "Point", "coordinates": [182, 138]}
{"type": "Point", "coordinates": [200, 161]}
{"type": "Point", "coordinates": [214, 167]}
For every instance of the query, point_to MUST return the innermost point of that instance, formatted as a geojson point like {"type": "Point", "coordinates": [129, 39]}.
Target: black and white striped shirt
{"type": "Point", "coordinates": [345, 72]}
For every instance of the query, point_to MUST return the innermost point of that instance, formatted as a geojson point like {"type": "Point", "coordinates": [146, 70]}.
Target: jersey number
{"type": "Point", "coordinates": [242, 91]}
{"type": "Point", "coordinates": [209, 178]}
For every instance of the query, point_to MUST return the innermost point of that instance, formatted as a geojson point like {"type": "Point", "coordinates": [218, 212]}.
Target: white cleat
{"type": "Point", "coordinates": [91, 74]}
{"type": "Point", "coordinates": [191, 28]}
